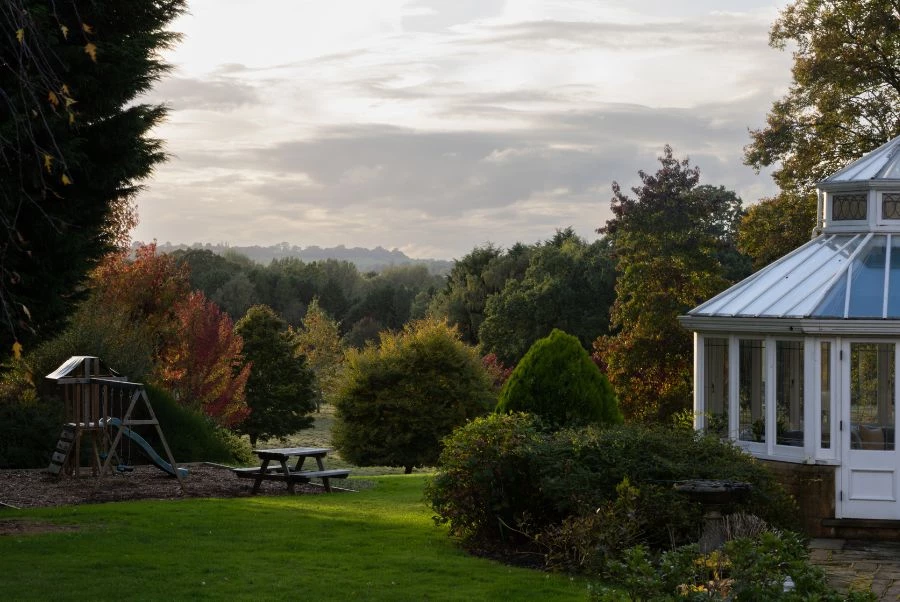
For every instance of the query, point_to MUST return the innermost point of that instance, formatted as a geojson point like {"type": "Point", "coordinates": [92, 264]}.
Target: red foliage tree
{"type": "Point", "coordinates": [496, 369]}
{"type": "Point", "coordinates": [205, 368]}
{"type": "Point", "coordinates": [197, 355]}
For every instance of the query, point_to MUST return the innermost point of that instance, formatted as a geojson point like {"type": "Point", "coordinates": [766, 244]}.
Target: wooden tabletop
{"type": "Point", "coordinates": [286, 452]}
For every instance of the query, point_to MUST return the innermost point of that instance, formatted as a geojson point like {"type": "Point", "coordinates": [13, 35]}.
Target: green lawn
{"type": "Point", "coordinates": [377, 544]}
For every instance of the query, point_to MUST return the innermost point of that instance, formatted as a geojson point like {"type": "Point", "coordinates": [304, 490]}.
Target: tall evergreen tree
{"type": "Point", "coordinates": [74, 144]}
{"type": "Point", "coordinates": [279, 390]}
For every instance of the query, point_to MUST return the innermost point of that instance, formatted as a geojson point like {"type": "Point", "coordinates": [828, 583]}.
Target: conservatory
{"type": "Point", "coordinates": [797, 363]}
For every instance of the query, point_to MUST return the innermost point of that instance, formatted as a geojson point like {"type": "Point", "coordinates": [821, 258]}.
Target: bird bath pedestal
{"type": "Point", "coordinates": [713, 495]}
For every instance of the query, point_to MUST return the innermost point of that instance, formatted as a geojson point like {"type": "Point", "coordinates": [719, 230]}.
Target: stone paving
{"type": "Point", "coordinates": [860, 565]}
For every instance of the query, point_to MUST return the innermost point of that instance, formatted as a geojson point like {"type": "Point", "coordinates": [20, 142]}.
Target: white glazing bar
{"type": "Point", "coordinates": [887, 277]}
{"type": "Point", "coordinates": [715, 304]}
{"type": "Point", "coordinates": [849, 286]}
{"type": "Point", "coordinates": [699, 383]}
{"type": "Point", "coordinates": [811, 267]}
{"type": "Point", "coordinates": [734, 407]}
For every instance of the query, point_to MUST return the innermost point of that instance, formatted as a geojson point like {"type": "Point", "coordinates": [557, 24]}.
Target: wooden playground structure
{"type": "Point", "coordinates": [102, 407]}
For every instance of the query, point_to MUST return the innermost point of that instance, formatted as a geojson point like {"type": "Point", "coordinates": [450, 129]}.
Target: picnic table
{"type": "Point", "coordinates": [283, 472]}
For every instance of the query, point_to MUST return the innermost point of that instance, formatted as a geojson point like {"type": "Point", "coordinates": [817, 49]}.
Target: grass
{"type": "Point", "coordinates": [379, 544]}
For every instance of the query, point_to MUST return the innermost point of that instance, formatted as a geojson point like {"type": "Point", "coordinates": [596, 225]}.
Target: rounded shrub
{"type": "Point", "coordinates": [398, 400]}
{"type": "Point", "coordinates": [486, 477]}
{"type": "Point", "coordinates": [558, 381]}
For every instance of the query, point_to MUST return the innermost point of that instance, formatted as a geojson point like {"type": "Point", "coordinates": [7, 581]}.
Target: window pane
{"type": "Point", "coordinates": [893, 310]}
{"type": "Point", "coordinates": [890, 206]}
{"type": "Point", "coordinates": [867, 284]}
{"type": "Point", "coordinates": [716, 391]}
{"type": "Point", "coordinates": [833, 304]}
{"type": "Point", "coordinates": [825, 375]}
{"type": "Point", "coordinates": [872, 396]}
{"type": "Point", "coordinates": [789, 393]}
{"type": "Point", "coordinates": [848, 207]}
{"type": "Point", "coordinates": [752, 390]}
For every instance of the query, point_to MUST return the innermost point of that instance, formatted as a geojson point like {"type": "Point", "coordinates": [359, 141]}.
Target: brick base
{"type": "Point", "coordinates": [812, 486]}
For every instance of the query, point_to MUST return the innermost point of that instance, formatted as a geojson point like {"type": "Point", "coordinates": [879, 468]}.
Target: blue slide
{"type": "Point", "coordinates": [146, 449]}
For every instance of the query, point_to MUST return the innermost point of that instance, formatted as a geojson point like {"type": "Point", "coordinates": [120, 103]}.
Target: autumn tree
{"type": "Point", "coordinates": [844, 99]}
{"type": "Point", "coordinates": [398, 400]}
{"type": "Point", "coordinates": [280, 386]}
{"type": "Point", "coordinates": [667, 240]}
{"type": "Point", "coordinates": [128, 318]}
{"type": "Point", "coordinates": [319, 339]}
{"type": "Point", "coordinates": [74, 145]}
{"type": "Point", "coordinates": [204, 367]}
{"type": "Point", "coordinates": [146, 289]}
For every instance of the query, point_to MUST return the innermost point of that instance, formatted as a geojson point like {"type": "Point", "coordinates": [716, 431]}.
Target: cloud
{"type": "Point", "coordinates": [216, 94]}
{"type": "Point", "coordinates": [437, 15]}
{"type": "Point", "coordinates": [448, 124]}
{"type": "Point", "coordinates": [503, 186]}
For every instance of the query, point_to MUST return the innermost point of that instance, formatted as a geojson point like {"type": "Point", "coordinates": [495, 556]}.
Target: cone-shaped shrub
{"type": "Point", "coordinates": [557, 381]}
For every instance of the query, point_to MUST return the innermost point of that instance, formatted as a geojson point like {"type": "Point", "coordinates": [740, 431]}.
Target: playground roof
{"type": "Point", "coordinates": [82, 366]}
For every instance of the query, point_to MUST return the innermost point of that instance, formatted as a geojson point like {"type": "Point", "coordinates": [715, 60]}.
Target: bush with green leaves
{"type": "Point", "coordinates": [770, 566]}
{"type": "Point", "coordinates": [486, 479]}
{"type": "Point", "coordinates": [506, 474]}
{"type": "Point", "coordinates": [558, 381]}
{"type": "Point", "coordinates": [192, 436]}
{"type": "Point", "coordinates": [28, 431]}
{"type": "Point", "coordinates": [398, 400]}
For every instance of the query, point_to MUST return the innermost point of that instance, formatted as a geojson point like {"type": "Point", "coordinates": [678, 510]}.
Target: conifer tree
{"type": "Point", "coordinates": [74, 145]}
{"type": "Point", "coordinates": [558, 381]}
{"type": "Point", "coordinates": [279, 390]}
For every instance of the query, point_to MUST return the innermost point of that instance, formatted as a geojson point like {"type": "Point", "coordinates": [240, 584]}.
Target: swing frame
{"type": "Point", "coordinates": [138, 393]}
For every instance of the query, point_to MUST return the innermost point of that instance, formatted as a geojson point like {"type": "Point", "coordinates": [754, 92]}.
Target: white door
{"type": "Point", "coordinates": [868, 485]}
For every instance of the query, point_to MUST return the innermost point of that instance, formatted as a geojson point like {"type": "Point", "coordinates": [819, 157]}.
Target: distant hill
{"type": "Point", "coordinates": [366, 260]}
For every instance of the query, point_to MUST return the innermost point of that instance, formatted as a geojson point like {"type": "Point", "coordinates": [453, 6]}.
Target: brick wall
{"type": "Point", "coordinates": [812, 485]}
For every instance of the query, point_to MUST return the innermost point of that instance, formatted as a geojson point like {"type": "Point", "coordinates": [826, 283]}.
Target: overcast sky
{"type": "Point", "coordinates": [434, 126]}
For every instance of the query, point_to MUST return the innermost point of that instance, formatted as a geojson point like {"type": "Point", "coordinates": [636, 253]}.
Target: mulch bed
{"type": "Point", "coordinates": [35, 488]}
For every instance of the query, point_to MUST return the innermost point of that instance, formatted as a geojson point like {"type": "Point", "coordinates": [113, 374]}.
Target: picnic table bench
{"type": "Point", "coordinates": [283, 472]}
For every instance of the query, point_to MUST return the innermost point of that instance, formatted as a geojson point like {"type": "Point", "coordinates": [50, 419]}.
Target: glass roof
{"type": "Point", "coordinates": [850, 271]}
{"type": "Point", "coordinates": [883, 163]}
{"type": "Point", "coordinates": [832, 276]}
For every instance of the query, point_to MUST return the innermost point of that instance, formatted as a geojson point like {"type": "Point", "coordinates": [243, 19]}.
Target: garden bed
{"type": "Point", "coordinates": [35, 488]}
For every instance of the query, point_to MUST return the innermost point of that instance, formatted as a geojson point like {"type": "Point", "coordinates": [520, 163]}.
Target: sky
{"type": "Point", "coordinates": [435, 126]}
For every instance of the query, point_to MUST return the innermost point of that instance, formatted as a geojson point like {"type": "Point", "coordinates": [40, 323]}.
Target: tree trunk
{"type": "Point", "coordinates": [407, 469]}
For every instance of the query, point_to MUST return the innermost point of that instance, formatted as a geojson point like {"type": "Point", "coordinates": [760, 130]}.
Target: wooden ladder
{"type": "Point", "coordinates": [63, 449]}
